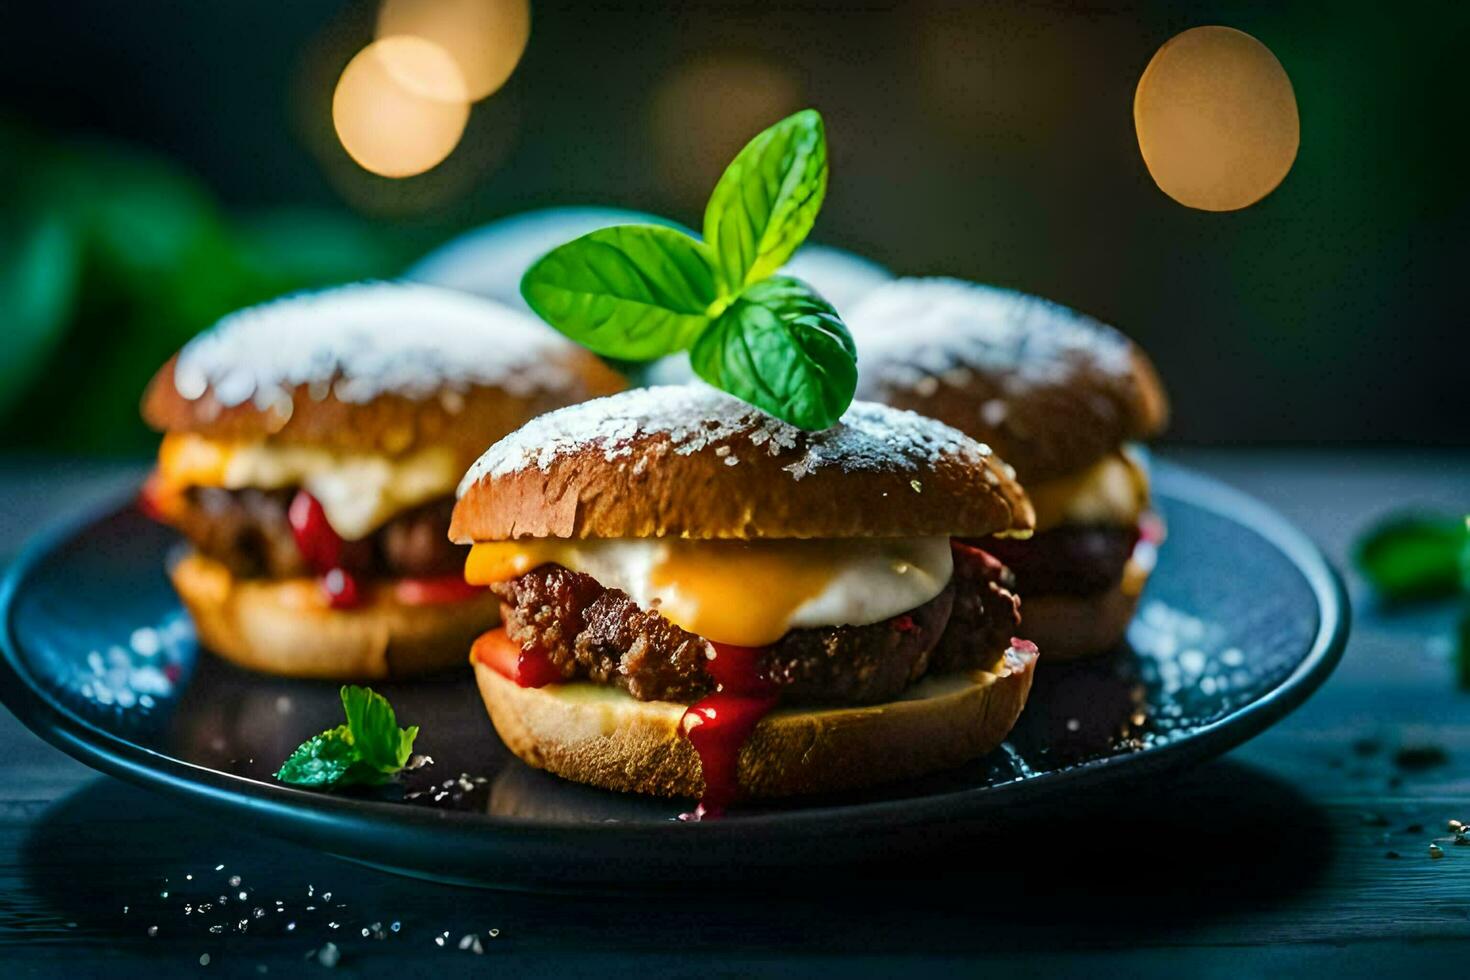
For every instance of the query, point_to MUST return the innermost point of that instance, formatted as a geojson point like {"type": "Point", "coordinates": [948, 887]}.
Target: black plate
{"type": "Point", "coordinates": [1241, 621]}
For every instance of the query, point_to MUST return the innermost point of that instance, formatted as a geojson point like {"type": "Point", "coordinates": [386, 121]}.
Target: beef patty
{"type": "Point", "coordinates": [599, 634]}
{"type": "Point", "coordinates": [247, 531]}
{"type": "Point", "coordinates": [1070, 559]}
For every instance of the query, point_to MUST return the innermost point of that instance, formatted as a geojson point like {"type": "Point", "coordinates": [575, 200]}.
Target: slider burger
{"type": "Point", "coordinates": [1059, 396]}
{"type": "Point", "coordinates": [311, 450]}
{"type": "Point", "coordinates": [701, 600]}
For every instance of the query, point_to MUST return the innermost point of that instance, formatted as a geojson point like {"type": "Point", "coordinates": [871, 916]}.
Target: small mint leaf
{"type": "Point", "coordinates": [782, 348]}
{"type": "Point", "coordinates": [631, 291]}
{"type": "Point", "coordinates": [368, 750]}
{"type": "Point", "coordinates": [767, 200]}
{"type": "Point", "coordinates": [321, 760]}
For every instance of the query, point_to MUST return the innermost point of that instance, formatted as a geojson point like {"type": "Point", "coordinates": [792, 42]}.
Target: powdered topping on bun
{"type": "Point", "coordinates": [1051, 390]}
{"type": "Point", "coordinates": [360, 341]}
{"type": "Point", "coordinates": [695, 418]}
{"type": "Point", "coordinates": [689, 461]}
{"type": "Point", "coordinates": [941, 329]}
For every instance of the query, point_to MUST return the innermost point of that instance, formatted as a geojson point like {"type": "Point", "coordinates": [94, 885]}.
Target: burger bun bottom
{"type": "Point", "coordinates": [603, 736]}
{"type": "Point", "coordinates": [1069, 627]}
{"type": "Point", "coordinates": [283, 627]}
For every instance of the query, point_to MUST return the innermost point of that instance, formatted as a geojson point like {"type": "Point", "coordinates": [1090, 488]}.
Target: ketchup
{"type": "Point", "coordinates": [719, 724]}
{"type": "Point", "coordinates": [435, 591]}
{"type": "Point", "coordinates": [321, 547]}
{"type": "Point", "coordinates": [528, 668]}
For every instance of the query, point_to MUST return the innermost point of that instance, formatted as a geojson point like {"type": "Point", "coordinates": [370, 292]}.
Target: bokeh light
{"type": "Point", "coordinates": [1217, 119]}
{"type": "Point", "coordinates": [395, 107]}
{"type": "Point", "coordinates": [486, 38]}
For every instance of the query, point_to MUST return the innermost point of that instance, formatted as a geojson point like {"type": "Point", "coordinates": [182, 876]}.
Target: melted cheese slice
{"type": "Point", "coordinates": [1113, 491]}
{"type": "Point", "coordinates": [358, 492]}
{"type": "Point", "coordinates": [747, 593]}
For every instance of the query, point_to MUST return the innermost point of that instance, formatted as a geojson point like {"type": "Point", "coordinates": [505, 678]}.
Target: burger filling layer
{"type": "Point", "coordinates": [274, 511]}
{"type": "Point", "coordinates": [1088, 527]}
{"type": "Point", "coordinates": [249, 532]}
{"type": "Point", "coordinates": [358, 492]}
{"type": "Point", "coordinates": [746, 593]}
{"type": "Point", "coordinates": [588, 629]}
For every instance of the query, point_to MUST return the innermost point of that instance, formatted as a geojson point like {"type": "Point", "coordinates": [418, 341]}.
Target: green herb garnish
{"type": "Point", "coordinates": [367, 751]}
{"type": "Point", "coordinates": [639, 292]}
{"type": "Point", "coordinates": [1416, 556]}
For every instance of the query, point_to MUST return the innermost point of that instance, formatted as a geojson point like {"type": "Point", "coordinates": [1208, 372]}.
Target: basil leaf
{"type": "Point", "coordinates": [368, 750]}
{"type": "Point", "coordinates": [631, 291]}
{"type": "Point", "coordinates": [321, 760]}
{"type": "Point", "coordinates": [374, 727]}
{"type": "Point", "coordinates": [767, 200]}
{"type": "Point", "coordinates": [782, 348]}
{"type": "Point", "coordinates": [1414, 556]}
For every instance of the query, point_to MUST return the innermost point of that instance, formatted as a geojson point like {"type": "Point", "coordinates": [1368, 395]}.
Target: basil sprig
{"type": "Point", "coordinates": [369, 750]}
{"type": "Point", "coordinates": [639, 292]}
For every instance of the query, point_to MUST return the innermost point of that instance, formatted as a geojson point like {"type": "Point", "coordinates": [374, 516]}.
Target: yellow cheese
{"type": "Point", "coordinates": [1113, 491]}
{"type": "Point", "coordinates": [747, 593]}
{"type": "Point", "coordinates": [358, 492]}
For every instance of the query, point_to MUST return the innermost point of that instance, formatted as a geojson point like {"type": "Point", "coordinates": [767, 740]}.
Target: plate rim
{"type": "Point", "coordinates": [291, 811]}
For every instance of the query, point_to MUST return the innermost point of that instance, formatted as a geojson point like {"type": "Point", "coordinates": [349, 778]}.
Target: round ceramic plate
{"type": "Point", "coordinates": [1242, 619]}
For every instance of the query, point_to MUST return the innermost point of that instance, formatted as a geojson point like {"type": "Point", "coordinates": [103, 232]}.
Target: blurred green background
{"type": "Point", "coordinates": [164, 161]}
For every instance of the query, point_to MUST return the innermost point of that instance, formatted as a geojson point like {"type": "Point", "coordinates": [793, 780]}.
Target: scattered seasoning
{"type": "Point", "coordinates": [1416, 757]}
{"type": "Point", "coordinates": [1435, 851]}
{"type": "Point", "coordinates": [152, 931]}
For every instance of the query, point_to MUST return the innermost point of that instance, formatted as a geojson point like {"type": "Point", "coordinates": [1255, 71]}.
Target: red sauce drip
{"type": "Point", "coordinates": [435, 591]}
{"type": "Point", "coordinates": [1024, 646]}
{"type": "Point", "coordinates": [150, 499]}
{"type": "Point", "coordinates": [1151, 529]}
{"type": "Point", "coordinates": [321, 547]}
{"type": "Point", "coordinates": [967, 551]}
{"type": "Point", "coordinates": [528, 668]}
{"type": "Point", "coordinates": [718, 725]}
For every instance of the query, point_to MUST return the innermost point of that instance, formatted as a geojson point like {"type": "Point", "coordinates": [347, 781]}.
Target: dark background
{"type": "Point", "coordinates": [993, 141]}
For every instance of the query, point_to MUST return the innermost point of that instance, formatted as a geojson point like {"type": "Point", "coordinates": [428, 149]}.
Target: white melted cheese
{"type": "Point", "coordinates": [359, 492]}
{"type": "Point", "coordinates": [748, 593]}
{"type": "Point", "coordinates": [1113, 491]}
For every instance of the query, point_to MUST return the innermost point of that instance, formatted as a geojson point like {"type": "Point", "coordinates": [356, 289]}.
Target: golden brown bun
{"type": "Point", "coordinates": [1069, 627]}
{"type": "Point", "coordinates": [283, 627]}
{"type": "Point", "coordinates": [689, 461]}
{"type": "Point", "coordinates": [1049, 389]}
{"type": "Point", "coordinates": [605, 737]}
{"type": "Point", "coordinates": [465, 411]}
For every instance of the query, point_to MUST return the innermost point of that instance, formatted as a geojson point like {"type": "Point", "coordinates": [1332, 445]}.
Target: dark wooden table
{"type": "Point", "coordinates": [1306, 850]}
